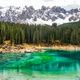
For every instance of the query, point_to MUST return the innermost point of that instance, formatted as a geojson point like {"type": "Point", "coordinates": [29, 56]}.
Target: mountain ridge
{"type": "Point", "coordinates": [45, 15]}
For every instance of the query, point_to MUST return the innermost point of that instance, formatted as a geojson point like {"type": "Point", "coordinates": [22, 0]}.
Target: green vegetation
{"type": "Point", "coordinates": [68, 33]}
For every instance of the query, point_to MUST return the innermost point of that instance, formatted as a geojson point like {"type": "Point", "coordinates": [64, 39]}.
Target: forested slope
{"type": "Point", "coordinates": [68, 33]}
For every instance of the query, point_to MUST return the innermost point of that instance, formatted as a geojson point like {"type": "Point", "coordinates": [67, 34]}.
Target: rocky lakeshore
{"type": "Point", "coordinates": [8, 48]}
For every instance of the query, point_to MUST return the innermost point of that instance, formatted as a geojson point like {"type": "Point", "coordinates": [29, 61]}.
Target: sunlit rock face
{"type": "Point", "coordinates": [45, 15]}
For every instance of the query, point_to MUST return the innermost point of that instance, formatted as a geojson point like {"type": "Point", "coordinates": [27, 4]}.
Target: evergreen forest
{"type": "Point", "coordinates": [68, 33]}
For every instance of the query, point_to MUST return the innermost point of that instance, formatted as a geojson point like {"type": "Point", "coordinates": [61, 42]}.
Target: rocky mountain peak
{"type": "Point", "coordinates": [45, 15]}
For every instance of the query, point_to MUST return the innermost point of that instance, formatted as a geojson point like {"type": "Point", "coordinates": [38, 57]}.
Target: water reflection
{"type": "Point", "coordinates": [48, 65]}
{"type": "Point", "coordinates": [13, 74]}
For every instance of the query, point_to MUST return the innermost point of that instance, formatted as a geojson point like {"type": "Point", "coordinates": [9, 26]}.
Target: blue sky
{"type": "Point", "coordinates": [38, 3]}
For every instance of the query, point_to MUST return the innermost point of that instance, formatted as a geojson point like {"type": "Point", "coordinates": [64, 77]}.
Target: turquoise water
{"type": "Point", "coordinates": [47, 65]}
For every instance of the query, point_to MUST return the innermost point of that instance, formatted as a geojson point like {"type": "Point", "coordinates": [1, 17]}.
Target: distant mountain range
{"type": "Point", "coordinates": [45, 15]}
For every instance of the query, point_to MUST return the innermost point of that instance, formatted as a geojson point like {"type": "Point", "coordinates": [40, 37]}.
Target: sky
{"type": "Point", "coordinates": [38, 3]}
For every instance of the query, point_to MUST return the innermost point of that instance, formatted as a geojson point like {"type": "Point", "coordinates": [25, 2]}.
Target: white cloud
{"type": "Point", "coordinates": [38, 3]}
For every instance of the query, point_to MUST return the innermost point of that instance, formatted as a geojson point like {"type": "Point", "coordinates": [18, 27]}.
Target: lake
{"type": "Point", "coordinates": [47, 65]}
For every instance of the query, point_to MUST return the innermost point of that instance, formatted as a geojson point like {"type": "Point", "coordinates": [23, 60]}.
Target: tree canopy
{"type": "Point", "coordinates": [68, 33]}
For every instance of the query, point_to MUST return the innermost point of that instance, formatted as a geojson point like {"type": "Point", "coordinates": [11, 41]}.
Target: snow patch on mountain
{"type": "Point", "coordinates": [45, 15]}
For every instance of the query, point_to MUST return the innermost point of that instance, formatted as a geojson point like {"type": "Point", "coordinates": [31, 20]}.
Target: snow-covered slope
{"type": "Point", "coordinates": [45, 15]}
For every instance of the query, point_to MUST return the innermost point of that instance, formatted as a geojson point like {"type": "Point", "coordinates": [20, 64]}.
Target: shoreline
{"type": "Point", "coordinates": [25, 48]}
